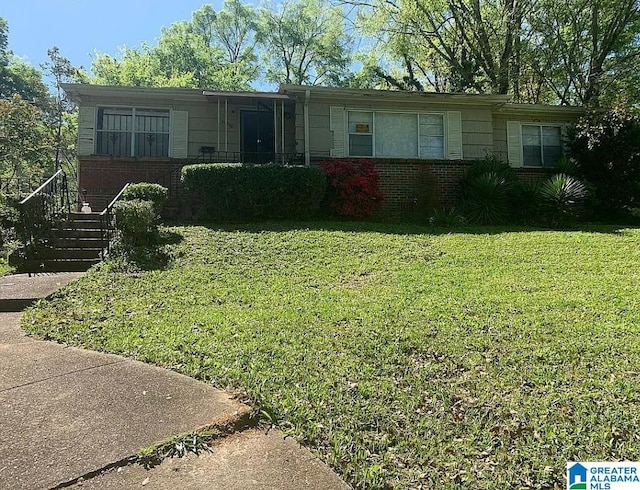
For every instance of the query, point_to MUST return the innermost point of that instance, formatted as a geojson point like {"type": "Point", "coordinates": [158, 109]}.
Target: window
{"type": "Point", "coordinates": [396, 135]}
{"type": "Point", "coordinates": [361, 134]}
{"type": "Point", "coordinates": [132, 132]}
{"type": "Point", "coordinates": [541, 145]}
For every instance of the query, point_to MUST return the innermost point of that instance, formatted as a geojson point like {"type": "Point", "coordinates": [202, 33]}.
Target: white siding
{"type": "Point", "coordinates": [514, 144]}
{"type": "Point", "coordinates": [453, 134]}
{"type": "Point", "coordinates": [86, 130]}
{"type": "Point", "coordinates": [179, 133]}
{"type": "Point", "coordinates": [336, 126]}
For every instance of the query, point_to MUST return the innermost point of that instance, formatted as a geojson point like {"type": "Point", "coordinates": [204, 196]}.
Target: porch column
{"type": "Point", "coordinates": [282, 138]}
{"type": "Point", "coordinates": [307, 153]}
{"type": "Point", "coordinates": [226, 127]}
{"type": "Point", "coordinates": [275, 125]}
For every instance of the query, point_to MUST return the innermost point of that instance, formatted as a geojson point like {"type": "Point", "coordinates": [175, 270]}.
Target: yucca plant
{"type": "Point", "coordinates": [486, 192]}
{"type": "Point", "coordinates": [563, 198]}
{"type": "Point", "coordinates": [446, 217]}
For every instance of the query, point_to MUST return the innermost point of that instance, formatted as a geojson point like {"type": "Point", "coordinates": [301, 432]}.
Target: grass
{"type": "Point", "coordinates": [404, 358]}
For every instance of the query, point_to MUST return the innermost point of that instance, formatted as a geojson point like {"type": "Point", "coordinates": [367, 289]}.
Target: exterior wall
{"type": "Point", "coordinates": [500, 127]}
{"type": "Point", "coordinates": [203, 129]}
{"type": "Point", "coordinates": [414, 188]}
{"type": "Point", "coordinates": [103, 177]}
{"type": "Point", "coordinates": [477, 125]}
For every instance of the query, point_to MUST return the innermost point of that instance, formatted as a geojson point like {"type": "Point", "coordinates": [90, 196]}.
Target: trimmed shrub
{"type": "Point", "coordinates": [146, 191]}
{"type": "Point", "coordinates": [352, 188]}
{"type": "Point", "coordinates": [136, 222]}
{"type": "Point", "coordinates": [245, 192]}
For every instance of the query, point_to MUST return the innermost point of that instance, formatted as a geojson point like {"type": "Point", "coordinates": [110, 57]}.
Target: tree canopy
{"type": "Point", "coordinates": [544, 51]}
{"type": "Point", "coordinates": [37, 128]}
{"type": "Point", "coordinates": [296, 42]}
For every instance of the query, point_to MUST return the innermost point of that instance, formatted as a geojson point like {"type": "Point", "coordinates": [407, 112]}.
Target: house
{"type": "Point", "coordinates": [422, 143]}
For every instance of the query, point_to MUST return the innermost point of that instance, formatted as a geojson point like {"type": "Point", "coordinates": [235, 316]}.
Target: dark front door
{"type": "Point", "coordinates": [257, 136]}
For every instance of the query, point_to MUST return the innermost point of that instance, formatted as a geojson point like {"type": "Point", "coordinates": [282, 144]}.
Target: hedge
{"type": "Point", "coordinates": [136, 222]}
{"type": "Point", "coordinates": [146, 191]}
{"type": "Point", "coordinates": [240, 192]}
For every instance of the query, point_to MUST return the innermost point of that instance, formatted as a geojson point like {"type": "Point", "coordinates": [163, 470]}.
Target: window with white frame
{"type": "Point", "coordinates": [541, 145]}
{"type": "Point", "coordinates": [396, 135]}
{"type": "Point", "coordinates": [132, 132]}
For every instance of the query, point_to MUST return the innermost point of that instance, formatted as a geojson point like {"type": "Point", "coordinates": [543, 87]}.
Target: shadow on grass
{"type": "Point", "coordinates": [397, 228]}
{"type": "Point", "coordinates": [148, 258]}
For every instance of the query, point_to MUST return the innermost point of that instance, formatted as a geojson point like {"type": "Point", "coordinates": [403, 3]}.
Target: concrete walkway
{"type": "Point", "coordinates": [74, 418]}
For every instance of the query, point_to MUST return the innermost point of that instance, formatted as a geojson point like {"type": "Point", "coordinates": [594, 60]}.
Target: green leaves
{"type": "Point", "coordinates": [25, 140]}
{"type": "Point", "coordinates": [243, 192]}
{"type": "Point", "coordinates": [563, 196]}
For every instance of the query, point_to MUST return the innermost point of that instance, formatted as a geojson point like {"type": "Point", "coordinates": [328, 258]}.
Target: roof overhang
{"type": "Point", "coordinates": [247, 95]}
{"type": "Point", "coordinates": [82, 91]}
{"type": "Point", "coordinates": [79, 92]}
{"type": "Point", "coordinates": [393, 95]}
{"type": "Point", "coordinates": [539, 109]}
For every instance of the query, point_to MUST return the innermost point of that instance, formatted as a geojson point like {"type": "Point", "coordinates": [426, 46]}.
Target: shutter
{"type": "Point", "coordinates": [454, 135]}
{"type": "Point", "coordinates": [179, 134]}
{"type": "Point", "coordinates": [565, 131]}
{"type": "Point", "coordinates": [514, 143]}
{"type": "Point", "coordinates": [86, 130]}
{"type": "Point", "coordinates": [336, 125]}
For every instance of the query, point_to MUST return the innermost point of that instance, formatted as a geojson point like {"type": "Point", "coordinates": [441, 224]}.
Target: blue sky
{"type": "Point", "coordinates": [80, 27]}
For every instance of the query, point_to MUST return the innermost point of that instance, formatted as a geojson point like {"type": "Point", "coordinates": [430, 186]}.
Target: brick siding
{"type": "Point", "coordinates": [411, 188]}
{"type": "Point", "coordinates": [104, 177]}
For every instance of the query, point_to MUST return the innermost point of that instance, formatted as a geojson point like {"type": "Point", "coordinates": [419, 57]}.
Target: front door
{"type": "Point", "coordinates": [258, 133]}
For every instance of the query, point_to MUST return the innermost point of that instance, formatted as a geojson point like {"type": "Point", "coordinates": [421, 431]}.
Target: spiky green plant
{"type": "Point", "coordinates": [563, 198]}
{"type": "Point", "coordinates": [486, 192]}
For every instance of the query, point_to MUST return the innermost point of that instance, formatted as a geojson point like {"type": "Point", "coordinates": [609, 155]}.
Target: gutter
{"type": "Point", "coordinates": [307, 153]}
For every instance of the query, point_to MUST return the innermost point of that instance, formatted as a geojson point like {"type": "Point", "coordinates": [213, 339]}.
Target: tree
{"type": "Point", "coordinates": [449, 45]}
{"type": "Point", "coordinates": [585, 48]}
{"type": "Point", "coordinates": [573, 52]}
{"type": "Point", "coordinates": [16, 76]}
{"type": "Point", "coordinates": [214, 50]}
{"type": "Point", "coordinates": [25, 141]}
{"type": "Point", "coordinates": [233, 30]}
{"type": "Point", "coordinates": [305, 42]}
{"type": "Point", "coordinates": [137, 67]}
{"type": "Point", "coordinates": [606, 148]}
{"type": "Point", "coordinates": [61, 115]}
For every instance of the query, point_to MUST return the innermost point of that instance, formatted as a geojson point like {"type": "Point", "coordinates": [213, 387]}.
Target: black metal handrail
{"type": "Point", "coordinates": [43, 209]}
{"type": "Point", "coordinates": [106, 224]}
{"type": "Point", "coordinates": [209, 155]}
{"type": "Point", "coordinates": [18, 187]}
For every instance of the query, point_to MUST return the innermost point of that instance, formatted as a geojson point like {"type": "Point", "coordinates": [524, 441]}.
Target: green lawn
{"type": "Point", "coordinates": [404, 358]}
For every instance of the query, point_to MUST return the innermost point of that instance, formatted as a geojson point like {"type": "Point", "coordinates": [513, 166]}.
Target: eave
{"type": "Point", "coordinates": [393, 95]}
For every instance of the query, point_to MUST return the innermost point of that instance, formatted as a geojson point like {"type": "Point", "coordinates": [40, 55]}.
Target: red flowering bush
{"type": "Point", "coordinates": [352, 187]}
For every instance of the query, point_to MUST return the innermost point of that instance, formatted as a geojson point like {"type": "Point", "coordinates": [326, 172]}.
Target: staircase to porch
{"type": "Point", "coordinates": [74, 245]}
{"type": "Point", "coordinates": [55, 238]}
